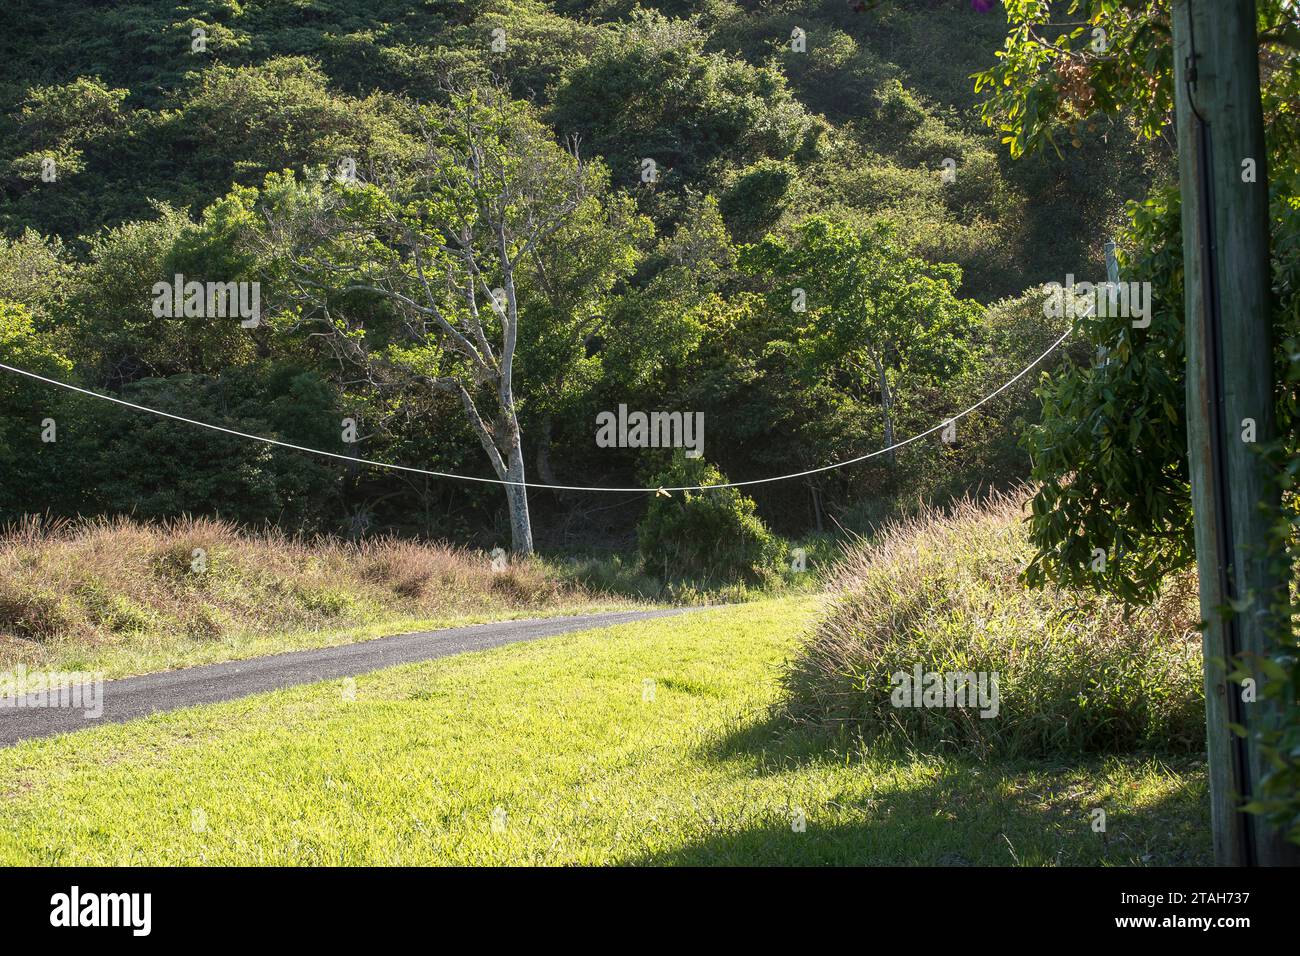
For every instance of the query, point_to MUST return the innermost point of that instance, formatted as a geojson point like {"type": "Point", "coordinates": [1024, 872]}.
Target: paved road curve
{"type": "Point", "coordinates": [134, 697]}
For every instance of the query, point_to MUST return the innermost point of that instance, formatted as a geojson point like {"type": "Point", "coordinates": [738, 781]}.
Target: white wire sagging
{"type": "Point", "coordinates": [528, 484]}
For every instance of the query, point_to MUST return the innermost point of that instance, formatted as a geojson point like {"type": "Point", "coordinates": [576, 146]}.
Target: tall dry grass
{"type": "Point", "coordinates": [199, 578]}
{"type": "Point", "coordinates": [1077, 672]}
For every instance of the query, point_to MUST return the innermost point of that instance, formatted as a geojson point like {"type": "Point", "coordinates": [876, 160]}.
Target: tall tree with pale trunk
{"type": "Point", "coordinates": [415, 269]}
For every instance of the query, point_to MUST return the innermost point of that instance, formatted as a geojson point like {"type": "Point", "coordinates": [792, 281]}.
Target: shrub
{"type": "Point", "coordinates": [608, 574]}
{"type": "Point", "coordinates": [714, 535]}
{"type": "Point", "coordinates": [756, 199]}
{"type": "Point", "coordinates": [1076, 672]}
{"type": "Point", "coordinates": [32, 612]}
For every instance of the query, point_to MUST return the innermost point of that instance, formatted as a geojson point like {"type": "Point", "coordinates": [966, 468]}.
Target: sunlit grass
{"type": "Point", "coordinates": [643, 743]}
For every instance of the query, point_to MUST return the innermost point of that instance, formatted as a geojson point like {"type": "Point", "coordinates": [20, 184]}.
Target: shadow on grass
{"type": "Point", "coordinates": [778, 744]}
{"type": "Point", "coordinates": [966, 816]}
{"type": "Point", "coordinates": [916, 809]}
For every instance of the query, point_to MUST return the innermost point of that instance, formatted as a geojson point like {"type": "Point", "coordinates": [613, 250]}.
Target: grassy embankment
{"type": "Point", "coordinates": [123, 597]}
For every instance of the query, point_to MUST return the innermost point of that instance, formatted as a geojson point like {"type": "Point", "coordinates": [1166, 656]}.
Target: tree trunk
{"type": "Point", "coordinates": [521, 528]}
{"type": "Point", "coordinates": [887, 408]}
{"type": "Point", "coordinates": [544, 469]}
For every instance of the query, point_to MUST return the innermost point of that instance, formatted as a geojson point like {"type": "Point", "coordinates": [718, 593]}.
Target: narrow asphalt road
{"type": "Point", "coordinates": [133, 697]}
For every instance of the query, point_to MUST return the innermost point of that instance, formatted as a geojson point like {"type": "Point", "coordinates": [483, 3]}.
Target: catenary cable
{"type": "Point", "coordinates": [539, 485]}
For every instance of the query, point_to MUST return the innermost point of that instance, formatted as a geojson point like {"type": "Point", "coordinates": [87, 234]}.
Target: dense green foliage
{"type": "Point", "coordinates": [174, 156]}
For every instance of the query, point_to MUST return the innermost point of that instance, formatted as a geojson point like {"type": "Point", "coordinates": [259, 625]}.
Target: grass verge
{"type": "Point", "coordinates": [648, 743]}
{"type": "Point", "coordinates": [125, 597]}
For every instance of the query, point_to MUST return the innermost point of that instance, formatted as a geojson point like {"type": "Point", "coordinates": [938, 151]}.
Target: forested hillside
{"type": "Point", "coordinates": [718, 158]}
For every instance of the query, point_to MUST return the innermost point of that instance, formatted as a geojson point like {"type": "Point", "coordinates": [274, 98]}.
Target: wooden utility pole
{"type": "Point", "coordinates": [1224, 189]}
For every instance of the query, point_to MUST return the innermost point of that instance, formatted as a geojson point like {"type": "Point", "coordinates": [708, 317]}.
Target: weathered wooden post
{"type": "Point", "coordinates": [1224, 189]}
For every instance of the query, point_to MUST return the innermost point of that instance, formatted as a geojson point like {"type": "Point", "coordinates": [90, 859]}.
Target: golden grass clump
{"type": "Point", "coordinates": [1077, 672]}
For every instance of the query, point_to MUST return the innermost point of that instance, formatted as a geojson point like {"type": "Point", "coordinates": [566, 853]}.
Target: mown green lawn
{"type": "Point", "coordinates": [560, 752]}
